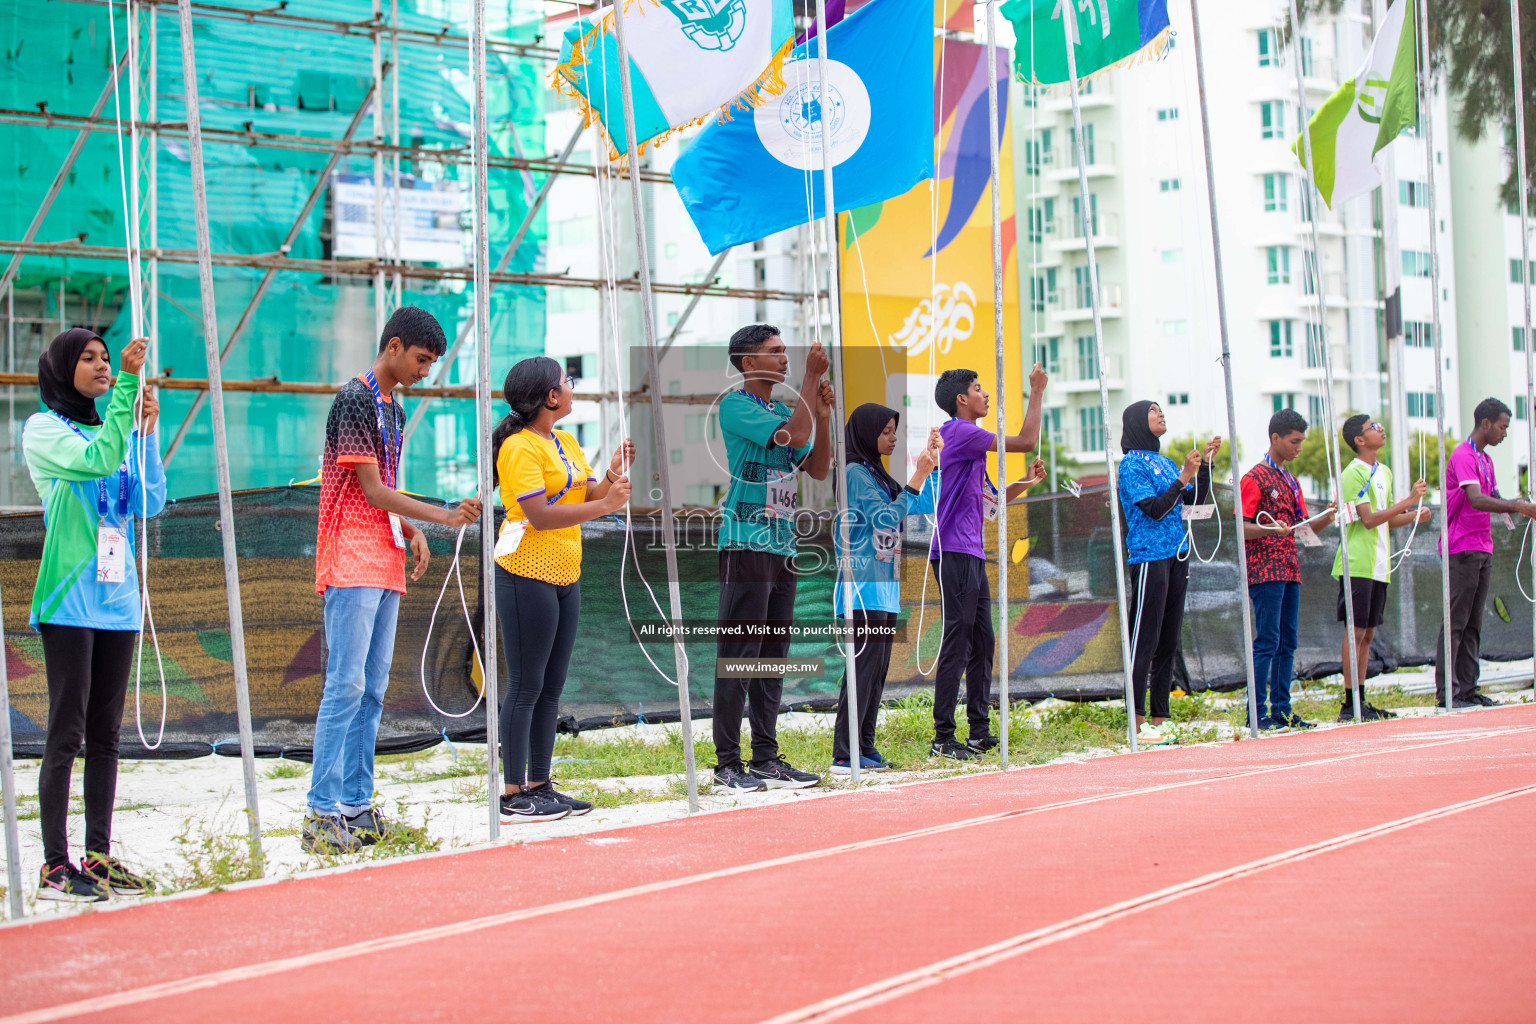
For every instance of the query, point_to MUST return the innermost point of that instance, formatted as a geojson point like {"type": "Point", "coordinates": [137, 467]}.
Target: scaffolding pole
{"type": "Point", "coordinates": [658, 426]}
{"type": "Point", "coordinates": [1226, 369]}
{"type": "Point", "coordinates": [220, 437]}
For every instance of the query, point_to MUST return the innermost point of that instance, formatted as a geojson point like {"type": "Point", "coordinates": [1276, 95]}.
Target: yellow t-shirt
{"type": "Point", "coordinates": [532, 466]}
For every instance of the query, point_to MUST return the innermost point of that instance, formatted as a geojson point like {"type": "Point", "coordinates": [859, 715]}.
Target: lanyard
{"type": "Point", "coordinates": [1480, 458]}
{"type": "Point", "coordinates": [1158, 469]}
{"type": "Point", "coordinates": [766, 405]}
{"type": "Point", "coordinates": [1291, 482]}
{"type": "Point", "coordinates": [391, 448]}
{"type": "Point", "coordinates": [1368, 480]}
{"type": "Point", "coordinates": [101, 483]}
{"type": "Point", "coordinates": [874, 472]}
{"type": "Point", "coordinates": [570, 471]}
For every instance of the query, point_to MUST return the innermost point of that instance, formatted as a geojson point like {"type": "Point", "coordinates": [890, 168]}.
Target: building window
{"type": "Point", "coordinates": [1269, 48]}
{"type": "Point", "coordinates": [1087, 360]}
{"type": "Point", "coordinates": [1315, 346]}
{"type": "Point", "coordinates": [1514, 272]}
{"type": "Point", "coordinates": [1281, 344]}
{"type": "Point", "coordinates": [1052, 420]}
{"type": "Point", "coordinates": [1416, 263]}
{"type": "Point", "coordinates": [1413, 193]}
{"type": "Point", "coordinates": [1317, 412]}
{"type": "Point", "coordinates": [1272, 119]}
{"type": "Point", "coordinates": [574, 366]}
{"type": "Point", "coordinates": [1519, 338]}
{"type": "Point", "coordinates": [1048, 354]}
{"type": "Point", "coordinates": [1168, 185]}
{"type": "Point", "coordinates": [1082, 286]}
{"type": "Point", "coordinates": [1042, 220]}
{"type": "Point", "coordinates": [1286, 400]}
{"type": "Point", "coordinates": [1042, 290]}
{"type": "Point", "coordinates": [1087, 143]}
{"type": "Point", "coordinates": [1308, 65]}
{"type": "Point", "coordinates": [1180, 398]}
{"type": "Point", "coordinates": [1090, 422]}
{"type": "Point", "coordinates": [677, 456]}
{"type": "Point", "coordinates": [1168, 113]}
{"type": "Point", "coordinates": [1278, 260]}
{"type": "Point", "coordinates": [1421, 404]}
{"type": "Point", "coordinates": [1519, 407]}
{"type": "Point", "coordinates": [1174, 327]}
{"type": "Point", "coordinates": [1077, 214]}
{"type": "Point", "coordinates": [1418, 334]}
{"type": "Point", "coordinates": [1276, 188]}
{"type": "Point", "coordinates": [1173, 255]}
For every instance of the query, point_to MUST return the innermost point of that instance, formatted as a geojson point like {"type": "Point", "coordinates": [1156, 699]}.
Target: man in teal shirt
{"type": "Point", "coordinates": [766, 445]}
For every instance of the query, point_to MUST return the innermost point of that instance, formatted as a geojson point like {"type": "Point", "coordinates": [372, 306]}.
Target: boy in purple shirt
{"type": "Point", "coordinates": [1472, 497]}
{"type": "Point", "coordinates": [967, 503]}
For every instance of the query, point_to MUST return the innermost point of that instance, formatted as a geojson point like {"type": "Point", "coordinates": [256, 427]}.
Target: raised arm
{"type": "Point", "coordinates": [819, 461]}
{"type": "Point", "coordinates": [1028, 437]}
{"type": "Point", "coordinates": [1488, 503]}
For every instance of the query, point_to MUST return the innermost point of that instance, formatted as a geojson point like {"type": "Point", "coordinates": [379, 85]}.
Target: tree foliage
{"type": "Point", "coordinates": [1176, 448]}
{"type": "Point", "coordinates": [1471, 40]}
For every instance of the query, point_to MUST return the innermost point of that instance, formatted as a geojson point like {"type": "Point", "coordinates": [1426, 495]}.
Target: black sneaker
{"type": "Point", "coordinates": [1269, 723]}
{"type": "Point", "coordinates": [952, 749]}
{"type": "Point", "coordinates": [367, 825]}
{"type": "Point", "coordinates": [781, 774]}
{"type": "Point", "coordinates": [981, 744]}
{"type": "Point", "coordinates": [327, 834]}
{"type": "Point", "coordinates": [63, 883]}
{"type": "Point", "coordinates": [531, 805]}
{"type": "Point", "coordinates": [732, 777]}
{"type": "Point", "coordinates": [1376, 714]}
{"type": "Point", "coordinates": [109, 873]}
{"type": "Point", "coordinates": [578, 807]}
{"type": "Point", "coordinates": [1485, 700]}
{"type": "Point", "coordinates": [1295, 721]}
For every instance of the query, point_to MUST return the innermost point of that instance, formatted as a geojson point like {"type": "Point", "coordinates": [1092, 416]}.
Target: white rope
{"type": "Point", "coordinates": [454, 572]}
{"type": "Point", "coordinates": [1189, 533]}
{"type": "Point", "coordinates": [1520, 562]}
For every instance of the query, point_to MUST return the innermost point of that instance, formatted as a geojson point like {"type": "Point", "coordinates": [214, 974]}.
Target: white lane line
{"type": "Point", "coordinates": [268, 968]}
{"type": "Point", "coordinates": [899, 985]}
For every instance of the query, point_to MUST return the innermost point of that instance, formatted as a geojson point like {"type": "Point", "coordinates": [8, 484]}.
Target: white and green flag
{"type": "Point", "coordinates": [1357, 122]}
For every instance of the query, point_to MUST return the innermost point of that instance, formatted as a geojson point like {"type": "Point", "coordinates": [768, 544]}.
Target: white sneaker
{"type": "Point", "coordinates": [1149, 736]}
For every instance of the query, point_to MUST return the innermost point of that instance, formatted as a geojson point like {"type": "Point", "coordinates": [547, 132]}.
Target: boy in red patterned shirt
{"type": "Point", "coordinates": [360, 574]}
{"type": "Point", "coordinates": [1274, 514]}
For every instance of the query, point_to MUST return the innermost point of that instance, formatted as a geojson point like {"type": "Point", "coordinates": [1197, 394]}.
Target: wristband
{"type": "Point", "coordinates": [611, 478]}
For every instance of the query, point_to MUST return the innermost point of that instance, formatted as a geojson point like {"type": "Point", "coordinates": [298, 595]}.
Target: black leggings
{"type": "Point", "coordinates": [538, 627]}
{"type": "Point", "coordinates": [1157, 623]}
{"type": "Point", "coordinates": [87, 682]}
{"type": "Point", "coordinates": [871, 661]}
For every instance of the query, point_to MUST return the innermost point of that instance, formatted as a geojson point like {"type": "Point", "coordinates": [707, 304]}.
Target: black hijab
{"type": "Point", "coordinates": [56, 376]}
{"type": "Point", "coordinates": [862, 437]}
{"type": "Point", "coordinates": [1135, 435]}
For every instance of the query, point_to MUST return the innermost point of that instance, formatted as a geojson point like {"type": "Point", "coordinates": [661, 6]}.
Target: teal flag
{"type": "Point", "coordinates": [1105, 32]}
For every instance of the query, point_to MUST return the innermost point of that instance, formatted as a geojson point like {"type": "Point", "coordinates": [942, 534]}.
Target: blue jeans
{"type": "Point", "coordinates": [360, 635]}
{"type": "Point", "coordinates": [1276, 607]}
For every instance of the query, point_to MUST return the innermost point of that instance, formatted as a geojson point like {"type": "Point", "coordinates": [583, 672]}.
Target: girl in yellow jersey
{"type": "Point", "coordinates": [548, 491]}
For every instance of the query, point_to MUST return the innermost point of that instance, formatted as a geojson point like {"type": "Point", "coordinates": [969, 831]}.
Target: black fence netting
{"type": "Point", "coordinates": [1063, 621]}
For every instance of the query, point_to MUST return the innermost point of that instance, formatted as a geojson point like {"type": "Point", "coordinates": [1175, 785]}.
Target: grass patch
{"type": "Point", "coordinates": [210, 857]}
{"type": "Point", "coordinates": [464, 769]}
{"type": "Point", "coordinates": [287, 770]}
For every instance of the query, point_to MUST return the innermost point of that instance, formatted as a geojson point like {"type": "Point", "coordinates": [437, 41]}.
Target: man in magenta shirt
{"type": "Point", "coordinates": [1472, 499]}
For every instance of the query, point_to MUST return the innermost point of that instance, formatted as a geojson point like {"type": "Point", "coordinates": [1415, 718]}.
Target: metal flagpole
{"type": "Point", "coordinates": [1226, 369]}
{"type": "Point", "coordinates": [1069, 24]}
{"type": "Point", "coordinates": [380, 314]}
{"type": "Point", "coordinates": [839, 413]}
{"type": "Point", "coordinates": [663, 474]}
{"type": "Point", "coordinates": [1311, 198]}
{"type": "Point", "coordinates": [220, 435]}
{"type": "Point", "coordinates": [8, 787]}
{"type": "Point", "coordinates": [485, 458]}
{"type": "Point", "coordinates": [1522, 178]}
{"type": "Point", "coordinates": [1421, 40]}
{"type": "Point", "coordinates": [994, 145]}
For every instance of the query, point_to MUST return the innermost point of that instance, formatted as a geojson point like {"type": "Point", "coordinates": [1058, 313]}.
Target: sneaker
{"type": "Point", "coordinates": [63, 883]}
{"type": "Point", "coordinates": [532, 805]}
{"type": "Point", "coordinates": [1298, 723]}
{"type": "Point", "coordinates": [866, 764]}
{"type": "Point", "coordinates": [879, 759]}
{"type": "Point", "coordinates": [578, 807]}
{"type": "Point", "coordinates": [732, 777]}
{"type": "Point", "coordinates": [109, 873]}
{"type": "Point", "coordinates": [981, 744]}
{"type": "Point", "coordinates": [1485, 700]}
{"type": "Point", "coordinates": [1376, 714]}
{"type": "Point", "coordinates": [1272, 724]}
{"type": "Point", "coordinates": [952, 749]}
{"type": "Point", "coordinates": [781, 774]}
{"type": "Point", "coordinates": [1148, 735]}
{"type": "Point", "coordinates": [1368, 712]}
{"type": "Point", "coordinates": [327, 834]}
{"type": "Point", "coordinates": [367, 825]}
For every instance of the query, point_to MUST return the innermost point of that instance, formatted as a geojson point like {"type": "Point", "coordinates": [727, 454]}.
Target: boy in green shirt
{"type": "Point", "coordinates": [1368, 518]}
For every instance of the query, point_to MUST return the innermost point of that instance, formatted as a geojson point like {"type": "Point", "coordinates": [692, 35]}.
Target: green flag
{"type": "Point", "coordinates": [1368, 112]}
{"type": "Point", "coordinates": [1106, 33]}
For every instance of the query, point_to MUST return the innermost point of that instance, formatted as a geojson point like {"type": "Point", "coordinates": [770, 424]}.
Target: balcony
{"type": "Point", "coordinates": [1333, 287]}
{"type": "Point", "coordinates": [1109, 304]}
{"type": "Point", "coordinates": [1079, 373]}
{"type": "Point", "coordinates": [1094, 94]}
{"type": "Point", "coordinates": [1061, 164]}
{"type": "Point", "coordinates": [1106, 233]}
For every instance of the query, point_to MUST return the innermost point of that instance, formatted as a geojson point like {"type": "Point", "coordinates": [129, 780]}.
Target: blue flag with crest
{"type": "Point", "coordinates": [746, 178]}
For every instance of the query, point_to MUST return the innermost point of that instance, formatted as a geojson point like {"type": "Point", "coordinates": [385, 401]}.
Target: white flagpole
{"type": "Point", "coordinates": [1069, 23]}
{"type": "Point", "coordinates": [839, 411]}
{"type": "Point", "coordinates": [1003, 555]}
{"type": "Point", "coordinates": [658, 426]}
{"type": "Point", "coordinates": [1426, 116]}
{"type": "Point", "coordinates": [1226, 368]}
{"type": "Point", "coordinates": [1311, 209]}
{"type": "Point", "coordinates": [1523, 179]}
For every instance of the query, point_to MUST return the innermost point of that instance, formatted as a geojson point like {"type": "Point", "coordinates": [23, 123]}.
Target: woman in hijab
{"type": "Point", "coordinates": [877, 507]}
{"type": "Point", "coordinates": [89, 477]}
{"type": "Point", "coordinates": [1153, 492]}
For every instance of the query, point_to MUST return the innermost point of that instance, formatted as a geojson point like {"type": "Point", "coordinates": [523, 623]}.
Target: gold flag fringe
{"type": "Point", "coordinates": [1156, 49]}
{"type": "Point", "coordinates": [565, 75]}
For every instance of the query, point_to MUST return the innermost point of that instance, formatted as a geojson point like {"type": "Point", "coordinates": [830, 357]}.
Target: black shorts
{"type": "Point", "coordinates": [1370, 597]}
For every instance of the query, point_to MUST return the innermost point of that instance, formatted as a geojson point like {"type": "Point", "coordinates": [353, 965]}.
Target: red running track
{"type": "Point", "coordinates": [1380, 872]}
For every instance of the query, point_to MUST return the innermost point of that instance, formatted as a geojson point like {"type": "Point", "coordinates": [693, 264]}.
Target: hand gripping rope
{"type": "Point", "coordinates": [136, 323]}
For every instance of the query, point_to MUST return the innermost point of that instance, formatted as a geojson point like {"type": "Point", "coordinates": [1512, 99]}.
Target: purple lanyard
{"type": "Point", "coordinates": [391, 449]}
{"type": "Point", "coordinates": [101, 483]}
{"type": "Point", "coordinates": [1479, 459]}
{"type": "Point", "coordinates": [570, 471]}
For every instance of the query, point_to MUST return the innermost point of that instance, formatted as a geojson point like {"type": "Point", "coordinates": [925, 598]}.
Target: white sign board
{"type": "Point", "coordinates": [433, 215]}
